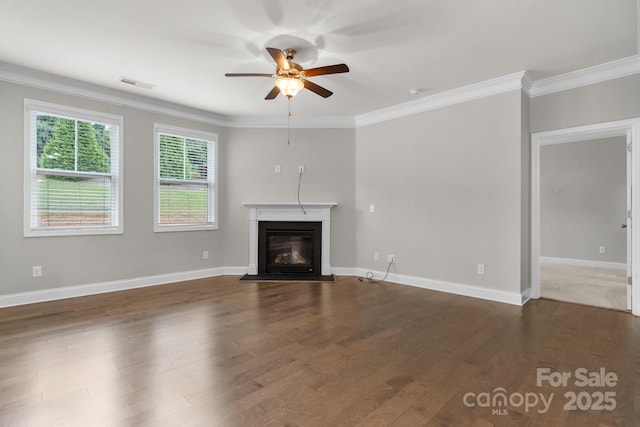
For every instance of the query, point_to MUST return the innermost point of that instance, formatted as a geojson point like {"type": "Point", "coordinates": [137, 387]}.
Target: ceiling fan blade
{"type": "Point", "coordinates": [279, 57]}
{"type": "Point", "coordinates": [329, 69]}
{"type": "Point", "coordinates": [248, 75]}
{"type": "Point", "coordinates": [274, 92]}
{"type": "Point", "coordinates": [325, 93]}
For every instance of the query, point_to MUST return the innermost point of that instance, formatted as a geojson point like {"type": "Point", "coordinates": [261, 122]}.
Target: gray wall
{"type": "Point", "coordinates": [80, 260]}
{"type": "Point", "coordinates": [460, 168]}
{"type": "Point", "coordinates": [608, 101]}
{"type": "Point", "coordinates": [448, 193]}
{"type": "Point", "coordinates": [329, 158]}
{"type": "Point", "coordinates": [450, 188]}
{"type": "Point", "coordinates": [583, 200]}
{"type": "Point", "coordinates": [246, 161]}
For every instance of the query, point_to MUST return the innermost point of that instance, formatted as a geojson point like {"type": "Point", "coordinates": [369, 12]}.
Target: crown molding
{"type": "Point", "coordinates": [41, 80]}
{"type": "Point", "coordinates": [527, 83]}
{"type": "Point", "coordinates": [455, 96]}
{"type": "Point", "coordinates": [587, 76]}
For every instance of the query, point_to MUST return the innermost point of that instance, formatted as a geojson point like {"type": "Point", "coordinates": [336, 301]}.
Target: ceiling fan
{"type": "Point", "coordinates": [292, 77]}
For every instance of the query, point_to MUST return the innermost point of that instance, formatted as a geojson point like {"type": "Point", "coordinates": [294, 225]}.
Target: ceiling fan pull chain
{"type": "Point", "coordinates": [289, 123]}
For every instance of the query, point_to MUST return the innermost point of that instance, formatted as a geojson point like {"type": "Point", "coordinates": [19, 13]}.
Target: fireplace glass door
{"type": "Point", "coordinates": [289, 248]}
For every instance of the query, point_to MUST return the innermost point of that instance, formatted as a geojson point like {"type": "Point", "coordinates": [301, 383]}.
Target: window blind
{"type": "Point", "coordinates": [74, 173]}
{"type": "Point", "coordinates": [185, 181]}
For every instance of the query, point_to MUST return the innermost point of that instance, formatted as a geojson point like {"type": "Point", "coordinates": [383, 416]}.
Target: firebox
{"type": "Point", "coordinates": [289, 248]}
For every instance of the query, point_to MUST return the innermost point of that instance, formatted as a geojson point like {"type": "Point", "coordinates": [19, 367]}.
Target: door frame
{"type": "Point", "coordinates": [628, 128]}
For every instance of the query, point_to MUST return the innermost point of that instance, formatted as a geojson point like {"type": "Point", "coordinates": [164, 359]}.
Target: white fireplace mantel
{"type": "Point", "coordinates": [288, 211]}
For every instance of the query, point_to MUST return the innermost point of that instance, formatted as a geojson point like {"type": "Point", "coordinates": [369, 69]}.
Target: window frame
{"type": "Point", "coordinates": [32, 107]}
{"type": "Point", "coordinates": [212, 178]}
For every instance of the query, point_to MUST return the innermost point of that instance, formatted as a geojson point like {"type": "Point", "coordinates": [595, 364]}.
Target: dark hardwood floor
{"type": "Point", "coordinates": [219, 352]}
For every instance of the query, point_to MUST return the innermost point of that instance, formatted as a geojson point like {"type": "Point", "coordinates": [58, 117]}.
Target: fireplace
{"type": "Point", "coordinates": [290, 213]}
{"type": "Point", "coordinates": [289, 248]}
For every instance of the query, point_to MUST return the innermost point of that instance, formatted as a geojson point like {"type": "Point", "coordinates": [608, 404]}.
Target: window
{"type": "Point", "coordinates": [185, 179]}
{"type": "Point", "coordinates": [72, 171]}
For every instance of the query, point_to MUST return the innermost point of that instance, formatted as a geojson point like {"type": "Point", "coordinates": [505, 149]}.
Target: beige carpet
{"type": "Point", "coordinates": [599, 287]}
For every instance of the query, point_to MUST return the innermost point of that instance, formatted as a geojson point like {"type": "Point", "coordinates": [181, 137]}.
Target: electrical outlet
{"type": "Point", "coordinates": [37, 271]}
{"type": "Point", "coordinates": [205, 254]}
{"type": "Point", "coordinates": [301, 169]}
{"type": "Point", "coordinates": [480, 268]}
{"type": "Point", "coordinates": [278, 169]}
{"type": "Point", "coordinates": [376, 256]}
{"type": "Point", "coordinates": [603, 249]}
{"type": "Point", "coordinates": [372, 208]}
{"type": "Point", "coordinates": [391, 258]}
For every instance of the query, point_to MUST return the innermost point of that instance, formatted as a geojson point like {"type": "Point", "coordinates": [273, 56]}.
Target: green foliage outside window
{"type": "Point", "coordinates": [57, 139]}
{"type": "Point", "coordinates": [183, 159]}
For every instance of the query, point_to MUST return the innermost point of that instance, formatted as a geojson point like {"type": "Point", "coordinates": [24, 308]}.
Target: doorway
{"type": "Point", "coordinates": [583, 230]}
{"type": "Point", "coordinates": [628, 130]}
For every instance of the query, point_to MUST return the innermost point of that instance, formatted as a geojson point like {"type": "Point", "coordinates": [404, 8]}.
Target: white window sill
{"type": "Point", "coordinates": [62, 232]}
{"type": "Point", "coordinates": [184, 227]}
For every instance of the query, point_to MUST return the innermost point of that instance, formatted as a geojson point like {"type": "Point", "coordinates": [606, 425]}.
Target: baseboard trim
{"type": "Point", "coordinates": [344, 271]}
{"type": "Point", "coordinates": [24, 298]}
{"type": "Point", "coordinates": [33, 297]}
{"type": "Point", "coordinates": [584, 263]}
{"type": "Point", "coordinates": [235, 271]}
{"type": "Point", "coordinates": [451, 288]}
{"type": "Point", "coordinates": [526, 296]}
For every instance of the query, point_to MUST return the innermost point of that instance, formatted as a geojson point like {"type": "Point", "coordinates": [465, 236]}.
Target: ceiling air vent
{"type": "Point", "coordinates": [134, 82]}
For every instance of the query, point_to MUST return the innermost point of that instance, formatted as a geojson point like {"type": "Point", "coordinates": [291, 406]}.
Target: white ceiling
{"type": "Point", "coordinates": [184, 48]}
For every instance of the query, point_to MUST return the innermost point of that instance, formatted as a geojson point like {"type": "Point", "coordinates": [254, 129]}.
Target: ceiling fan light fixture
{"type": "Point", "coordinates": [292, 77]}
{"type": "Point", "coordinates": [289, 87]}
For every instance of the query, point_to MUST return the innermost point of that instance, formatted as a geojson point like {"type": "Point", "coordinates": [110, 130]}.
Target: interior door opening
{"type": "Point", "coordinates": [629, 129]}
{"type": "Point", "coordinates": [583, 211]}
